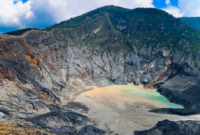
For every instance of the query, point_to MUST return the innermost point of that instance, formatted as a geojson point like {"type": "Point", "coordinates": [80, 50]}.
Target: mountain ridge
{"type": "Point", "coordinates": [165, 31]}
{"type": "Point", "coordinates": [192, 21]}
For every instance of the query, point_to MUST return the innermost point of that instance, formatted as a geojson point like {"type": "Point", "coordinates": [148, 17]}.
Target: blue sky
{"type": "Point", "coordinates": [162, 3]}
{"type": "Point", "coordinates": [18, 14]}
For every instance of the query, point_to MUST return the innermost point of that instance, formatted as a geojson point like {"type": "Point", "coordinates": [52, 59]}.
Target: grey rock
{"type": "Point", "coordinates": [146, 79]}
{"type": "Point", "coordinates": [107, 65]}
{"type": "Point", "coordinates": [2, 115]}
{"type": "Point", "coordinates": [134, 61]}
{"type": "Point", "coordinates": [173, 128]}
{"type": "Point", "coordinates": [91, 130]}
{"type": "Point", "coordinates": [104, 82]}
{"type": "Point", "coordinates": [120, 61]}
{"type": "Point", "coordinates": [96, 71]}
{"type": "Point", "coordinates": [97, 60]}
{"type": "Point", "coordinates": [116, 74]}
{"type": "Point", "coordinates": [135, 82]}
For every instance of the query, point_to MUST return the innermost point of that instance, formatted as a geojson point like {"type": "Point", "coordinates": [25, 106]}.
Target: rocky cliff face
{"type": "Point", "coordinates": [42, 71]}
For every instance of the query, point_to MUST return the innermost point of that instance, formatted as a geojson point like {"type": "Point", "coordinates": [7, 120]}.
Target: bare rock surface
{"type": "Point", "coordinates": [167, 127]}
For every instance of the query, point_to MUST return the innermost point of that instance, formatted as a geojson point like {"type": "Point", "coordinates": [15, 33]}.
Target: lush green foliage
{"type": "Point", "coordinates": [132, 27]}
{"type": "Point", "coordinates": [88, 17]}
{"type": "Point", "coordinates": [192, 21]}
{"type": "Point", "coordinates": [150, 23]}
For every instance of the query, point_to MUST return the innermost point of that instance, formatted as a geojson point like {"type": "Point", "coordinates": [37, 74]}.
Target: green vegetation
{"type": "Point", "coordinates": [192, 21]}
{"type": "Point", "coordinates": [113, 29]}
{"type": "Point", "coordinates": [144, 25]}
{"type": "Point", "coordinates": [20, 32]}
{"type": "Point", "coordinates": [150, 23]}
{"type": "Point", "coordinates": [88, 17]}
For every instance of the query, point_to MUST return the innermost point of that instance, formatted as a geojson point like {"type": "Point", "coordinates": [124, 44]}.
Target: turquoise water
{"type": "Point", "coordinates": [151, 96]}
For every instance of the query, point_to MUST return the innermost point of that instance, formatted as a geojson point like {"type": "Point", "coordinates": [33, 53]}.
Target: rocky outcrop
{"type": "Point", "coordinates": [181, 112]}
{"type": "Point", "coordinates": [91, 130]}
{"type": "Point", "coordinates": [173, 128]}
{"type": "Point", "coordinates": [178, 90]}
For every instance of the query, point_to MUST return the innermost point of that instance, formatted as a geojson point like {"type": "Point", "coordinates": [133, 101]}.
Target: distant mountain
{"type": "Point", "coordinates": [138, 26]}
{"type": "Point", "coordinates": [192, 21]}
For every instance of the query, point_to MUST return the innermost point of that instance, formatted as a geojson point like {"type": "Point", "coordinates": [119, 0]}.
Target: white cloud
{"type": "Point", "coordinates": [14, 14]}
{"type": "Point", "coordinates": [33, 13]}
{"type": "Point", "coordinates": [190, 7]}
{"type": "Point", "coordinates": [176, 12]}
{"type": "Point", "coordinates": [167, 2]}
{"type": "Point", "coordinates": [65, 9]}
{"type": "Point", "coordinates": [39, 13]}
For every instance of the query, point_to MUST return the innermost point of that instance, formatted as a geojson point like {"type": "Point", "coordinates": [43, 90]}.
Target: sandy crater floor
{"type": "Point", "coordinates": [122, 109]}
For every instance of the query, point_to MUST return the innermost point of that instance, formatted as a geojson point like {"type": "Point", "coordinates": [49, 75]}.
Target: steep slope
{"type": "Point", "coordinates": [88, 17]}
{"type": "Point", "coordinates": [192, 21]}
{"type": "Point", "coordinates": [41, 71]}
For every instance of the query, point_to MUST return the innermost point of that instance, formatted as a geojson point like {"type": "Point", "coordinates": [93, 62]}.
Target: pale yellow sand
{"type": "Point", "coordinates": [114, 109]}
